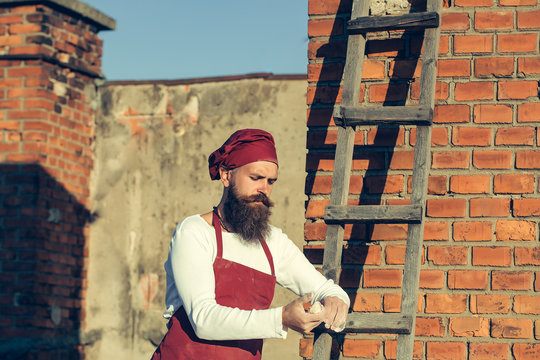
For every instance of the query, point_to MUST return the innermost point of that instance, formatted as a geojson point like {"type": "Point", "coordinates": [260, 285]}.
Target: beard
{"type": "Point", "coordinates": [245, 217]}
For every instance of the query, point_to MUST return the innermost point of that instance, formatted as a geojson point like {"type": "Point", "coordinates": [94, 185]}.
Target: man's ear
{"type": "Point", "coordinates": [225, 176]}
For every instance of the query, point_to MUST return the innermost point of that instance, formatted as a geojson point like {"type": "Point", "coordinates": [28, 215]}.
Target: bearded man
{"type": "Point", "coordinates": [223, 266]}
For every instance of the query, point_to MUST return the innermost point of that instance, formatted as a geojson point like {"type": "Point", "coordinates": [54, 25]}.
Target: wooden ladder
{"type": "Point", "coordinates": [337, 214]}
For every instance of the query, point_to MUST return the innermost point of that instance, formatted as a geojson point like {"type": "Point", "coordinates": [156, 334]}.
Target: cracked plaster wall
{"type": "Point", "coordinates": [152, 144]}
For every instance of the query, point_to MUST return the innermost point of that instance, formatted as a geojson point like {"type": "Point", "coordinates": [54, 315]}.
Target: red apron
{"type": "Point", "coordinates": [236, 286]}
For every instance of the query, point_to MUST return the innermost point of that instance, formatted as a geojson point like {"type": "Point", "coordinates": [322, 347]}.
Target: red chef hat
{"type": "Point", "coordinates": [241, 148]}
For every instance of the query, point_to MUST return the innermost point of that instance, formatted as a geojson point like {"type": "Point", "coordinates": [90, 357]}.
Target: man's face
{"type": "Point", "coordinates": [254, 178]}
{"type": "Point", "coordinates": [247, 206]}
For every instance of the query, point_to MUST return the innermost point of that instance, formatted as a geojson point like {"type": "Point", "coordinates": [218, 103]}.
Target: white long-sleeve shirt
{"type": "Point", "coordinates": [191, 283]}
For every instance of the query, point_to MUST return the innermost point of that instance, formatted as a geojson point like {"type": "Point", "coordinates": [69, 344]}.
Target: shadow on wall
{"type": "Point", "coordinates": [42, 275]}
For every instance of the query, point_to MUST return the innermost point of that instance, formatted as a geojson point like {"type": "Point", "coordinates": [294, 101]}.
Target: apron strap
{"type": "Point", "coordinates": [219, 240]}
{"type": "Point", "coordinates": [217, 228]}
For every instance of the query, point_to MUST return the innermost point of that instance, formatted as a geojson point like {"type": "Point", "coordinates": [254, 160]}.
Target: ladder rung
{"type": "Point", "coordinates": [419, 20]}
{"type": "Point", "coordinates": [376, 323]}
{"type": "Point", "coordinates": [342, 214]}
{"type": "Point", "coordinates": [399, 115]}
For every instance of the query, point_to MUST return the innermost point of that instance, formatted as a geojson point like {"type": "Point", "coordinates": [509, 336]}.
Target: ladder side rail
{"type": "Point", "coordinates": [422, 162]}
{"type": "Point", "coordinates": [352, 77]}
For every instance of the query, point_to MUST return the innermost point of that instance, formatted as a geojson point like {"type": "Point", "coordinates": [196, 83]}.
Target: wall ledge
{"type": "Point", "coordinates": [87, 12]}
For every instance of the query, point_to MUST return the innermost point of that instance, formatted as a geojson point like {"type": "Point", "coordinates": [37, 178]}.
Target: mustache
{"type": "Point", "coordinates": [260, 197]}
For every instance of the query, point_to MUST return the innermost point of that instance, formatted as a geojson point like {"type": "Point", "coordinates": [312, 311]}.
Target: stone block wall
{"type": "Point", "coordinates": [49, 62]}
{"type": "Point", "coordinates": [480, 277]}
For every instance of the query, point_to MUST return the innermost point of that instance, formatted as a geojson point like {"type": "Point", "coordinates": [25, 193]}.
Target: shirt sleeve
{"type": "Point", "coordinates": [192, 255]}
{"type": "Point", "coordinates": [296, 273]}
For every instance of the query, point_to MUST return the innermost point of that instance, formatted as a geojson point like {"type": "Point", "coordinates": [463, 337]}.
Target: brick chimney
{"type": "Point", "coordinates": [49, 64]}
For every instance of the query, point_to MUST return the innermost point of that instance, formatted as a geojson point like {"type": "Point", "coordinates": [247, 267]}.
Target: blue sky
{"type": "Point", "coordinates": [179, 39]}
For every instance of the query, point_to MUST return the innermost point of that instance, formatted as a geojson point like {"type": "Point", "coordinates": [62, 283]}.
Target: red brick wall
{"type": "Point", "coordinates": [480, 277]}
{"type": "Point", "coordinates": [50, 59]}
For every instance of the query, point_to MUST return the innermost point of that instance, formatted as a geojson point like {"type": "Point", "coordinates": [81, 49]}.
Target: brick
{"type": "Point", "coordinates": [469, 326]}
{"type": "Point", "coordinates": [528, 19]}
{"type": "Point", "coordinates": [522, 135]}
{"type": "Point", "coordinates": [498, 67]}
{"type": "Point", "coordinates": [446, 303]}
{"type": "Point", "coordinates": [487, 207]}
{"type": "Point", "coordinates": [436, 230]}
{"type": "Point", "coordinates": [489, 351]}
{"type": "Point", "coordinates": [448, 255]}
{"type": "Point", "coordinates": [382, 278]}
{"type": "Point", "coordinates": [431, 279]}
{"type": "Point", "coordinates": [325, 94]}
{"type": "Point", "coordinates": [395, 254]}
{"type": "Point", "coordinates": [325, 7]}
{"type": "Point", "coordinates": [446, 350]}
{"type": "Point", "coordinates": [366, 302]}
{"type": "Point", "coordinates": [446, 207]}
{"type": "Point", "coordinates": [436, 185]}
{"type": "Point", "coordinates": [473, 44]}
{"type": "Point", "coordinates": [537, 281]}
{"type": "Point", "coordinates": [491, 256]}
{"type": "Point", "coordinates": [450, 160]}
{"type": "Point", "coordinates": [472, 231]}
{"type": "Point", "coordinates": [385, 48]}
{"type": "Point", "coordinates": [507, 43]}
{"type": "Point", "coordinates": [527, 256]}
{"type": "Point", "coordinates": [402, 160]}
{"type": "Point", "coordinates": [386, 137]}
{"type": "Point", "coordinates": [526, 351]}
{"type": "Point", "coordinates": [306, 348]}
{"type": "Point", "coordinates": [513, 183]}
{"type": "Point", "coordinates": [325, 27]}
{"type": "Point", "coordinates": [474, 90]}
{"type": "Point", "coordinates": [470, 184]}
{"type": "Point", "coordinates": [490, 304]}
{"type": "Point", "coordinates": [389, 184]}
{"type": "Point", "coordinates": [387, 92]}
{"type": "Point", "coordinates": [476, 3]}
{"type": "Point", "coordinates": [526, 207]}
{"type": "Point", "coordinates": [529, 112]}
{"type": "Point", "coordinates": [529, 65]}
{"type": "Point", "coordinates": [325, 72]}
{"type": "Point", "coordinates": [492, 159]}
{"type": "Point", "coordinates": [517, 90]}
{"type": "Point", "coordinates": [390, 349]}
{"type": "Point", "coordinates": [528, 159]}
{"type": "Point", "coordinates": [526, 304]}
{"type": "Point", "coordinates": [362, 348]}
{"type": "Point", "coordinates": [492, 113]}
{"type": "Point", "coordinates": [429, 327]}
{"type": "Point", "coordinates": [511, 280]}
{"type": "Point", "coordinates": [454, 68]}
{"type": "Point", "coordinates": [11, 19]}
{"type": "Point", "coordinates": [516, 2]}
{"type": "Point", "coordinates": [494, 20]}
{"type": "Point", "coordinates": [405, 69]}
{"type": "Point", "coordinates": [373, 69]}
{"type": "Point", "coordinates": [455, 21]}
{"type": "Point", "coordinates": [11, 40]}
{"type": "Point", "coordinates": [335, 49]}
{"type": "Point", "coordinates": [441, 91]}
{"type": "Point", "coordinates": [511, 328]}
{"type": "Point", "coordinates": [392, 303]}
{"type": "Point", "coordinates": [467, 279]}
{"type": "Point", "coordinates": [515, 230]}
{"type": "Point", "coordinates": [451, 114]}
{"type": "Point", "coordinates": [469, 136]}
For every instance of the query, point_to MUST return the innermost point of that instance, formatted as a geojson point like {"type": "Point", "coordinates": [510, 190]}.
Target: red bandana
{"type": "Point", "coordinates": [243, 147]}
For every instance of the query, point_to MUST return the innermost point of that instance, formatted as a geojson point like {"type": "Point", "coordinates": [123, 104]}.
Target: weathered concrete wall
{"type": "Point", "coordinates": [152, 144]}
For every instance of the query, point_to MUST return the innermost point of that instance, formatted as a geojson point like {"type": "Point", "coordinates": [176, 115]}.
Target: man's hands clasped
{"type": "Point", "coordinates": [333, 314]}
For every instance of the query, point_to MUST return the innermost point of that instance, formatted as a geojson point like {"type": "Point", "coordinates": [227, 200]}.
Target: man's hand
{"type": "Point", "coordinates": [335, 313]}
{"type": "Point", "coordinates": [295, 317]}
